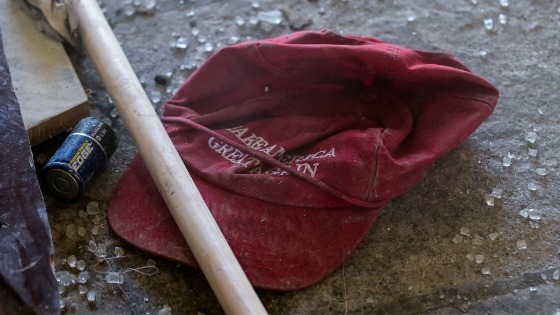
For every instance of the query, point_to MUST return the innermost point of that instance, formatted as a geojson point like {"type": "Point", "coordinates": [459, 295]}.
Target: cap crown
{"type": "Point", "coordinates": [315, 119]}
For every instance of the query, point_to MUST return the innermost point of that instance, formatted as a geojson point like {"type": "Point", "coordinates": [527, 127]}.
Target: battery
{"type": "Point", "coordinates": [81, 157]}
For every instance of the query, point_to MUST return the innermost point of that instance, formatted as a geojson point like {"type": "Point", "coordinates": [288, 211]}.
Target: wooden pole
{"type": "Point", "coordinates": [210, 248]}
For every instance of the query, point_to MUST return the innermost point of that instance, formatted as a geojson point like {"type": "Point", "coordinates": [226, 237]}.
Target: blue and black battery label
{"type": "Point", "coordinates": [80, 158]}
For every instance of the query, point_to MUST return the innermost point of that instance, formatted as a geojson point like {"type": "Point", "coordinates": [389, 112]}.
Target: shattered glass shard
{"type": "Point", "coordinates": [479, 258]}
{"type": "Point", "coordinates": [71, 260]}
{"type": "Point", "coordinates": [541, 171]}
{"type": "Point", "coordinates": [531, 137]}
{"type": "Point", "coordinates": [92, 208]}
{"type": "Point", "coordinates": [556, 275]}
{"type": "Point", "coordinates": [488, 24]}
{"type": "Point", "coordinates": [489, 200]}
{"type": "Point", "coordinates": [458, 239]}
{"type": "Point", "coordinates": [534, 214]}
{"type": "Point", "coordinates": [91, 296]}
{"type": "Point", "coordinates": [114, 278]}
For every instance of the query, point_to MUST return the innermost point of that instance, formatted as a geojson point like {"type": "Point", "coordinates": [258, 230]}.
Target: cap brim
{"type": "Point", "coordinates": [279, 247]}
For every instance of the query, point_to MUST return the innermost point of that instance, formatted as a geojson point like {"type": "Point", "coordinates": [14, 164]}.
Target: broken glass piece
{"type": "Point", "coordinates": [71, 260]}
{"type": "Point", "coordinates": [61, 288]}
{"type": "Point", "coordinates": [71, 230]}
{"type": "Point", "coordinates": [82, 289]}
{"type": "Point", "coordinates": [166, 310]}
{"type": "Point", "coordinates": [532, 152]}
{"type": "Point", "coordinates": [114, 278]}
{"type": "Point", "coordinates": [534, 214]}
{"type": "Point", "coordinates": [489, 200]}
{"type": "Point", "coordinates": [478, 240]}
{"type": "Point", "coordinates": [155, 96]}
{"type": "Point", "coordinates": [485, 270]}
{"type": "Point", "coordinates": [556, 275]}
{"type": "Point", "coordinates": [119, 252]}
{"type": "Point", "coordinates": [541, 171]}
{"type": "Point", "coordinates": [65, 278]}
{"type": "Point", "coordinates": [470, 257]}
{"type": "Point", "coordinates": [181, 43]}
{"type": "Point", "coordinates": [82, 214]}
{"type": "Point", "coordinates": [82, 231]}
{"type": "Point", "coordinates": [92, 208]}
{"type": "Point", "coordinates": [91, 296]}
{"type": "Point", "coordinates": [532, 186]}
{"type": "Point", "coordinates": [458, 239]}
{"type": "Point", "coordinates": [534, 225]}
{"type": "Point", "coordinates": [482, 53]}
{"type": "Point", "coordinates": [239, 21]}
{"type": "Point", "coordinates": [101, 250]}
{"type": "Point", "coordinates": [502, 18]}
{"type": "Point", "coordinates": [543, 276]}
{"type": "Point", "coordinates": [465, 231]}
{"type": "Point", "coordinates": [493, 236]}
{"type": "Point", "coordinates": [479, 258]}
{"type": "Point", "coordinates": [171, 90]}
{"type": "Point", "coordinates": [150, 5]}
{"type": "Point", "coordinates": [114, 113]}
{"type": "Point", "coordinates": [253, 20]}
{"type": "Point", "coordinates": [208, 47]}
{"type": "Point", "coordinates": [411, 16]}
{"type": "Point", "coordinates": [81, 265]}
{"type": "Point", "coordinates": [129, 10]}
{"type": "Point", "coordinates": [273, 17]}
{"type": "Point", "coordinates": [497, 193]}
{"type": "Point", "coordinates": [531, 137]}
{"type": "Point", "coordinates": [202, 39]}
{"type": "Point", "coordinates": [506, 161]}
{"type": "Point", "coordinates": [521, 244]}
{"type": "Point", "coordinates": [524, 213]}
{"type": "Point", "coordinates": [95, 230]}
{"type": "Point", "coordinates": [488, 24]}
{"type": "Point", "coordinates": [83, 277]}
{"type": "Point", "coordinates": [504, 3]}
{"type": "Point", "coordinates": [233, 40]}
{"type": "Point", "coordinates": [92, 247]}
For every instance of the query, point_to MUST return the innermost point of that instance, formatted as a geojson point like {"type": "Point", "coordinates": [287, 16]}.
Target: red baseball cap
{"type": "Point", "coordinates": [297, 142]}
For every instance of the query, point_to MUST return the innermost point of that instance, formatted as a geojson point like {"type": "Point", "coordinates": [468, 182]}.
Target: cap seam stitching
{"type": "Point", "coordinates": [490, 106]}
{"type": "Point", "coordinates": [373, 184]}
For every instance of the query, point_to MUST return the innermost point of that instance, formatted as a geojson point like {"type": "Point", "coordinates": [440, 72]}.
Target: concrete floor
{"type": "Point", "coordinates": [423, 255]}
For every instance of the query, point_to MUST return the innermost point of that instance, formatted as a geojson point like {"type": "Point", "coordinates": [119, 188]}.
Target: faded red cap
{"type": "Point", "coordinates": [296, 143]}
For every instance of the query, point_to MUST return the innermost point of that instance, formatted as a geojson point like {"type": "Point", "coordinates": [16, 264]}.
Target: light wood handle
{"type": "Point", "coordinates": [210, 248]}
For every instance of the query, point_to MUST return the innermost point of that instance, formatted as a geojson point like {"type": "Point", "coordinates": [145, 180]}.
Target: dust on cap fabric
{"type": "Point", "coordinates": [297, 142]}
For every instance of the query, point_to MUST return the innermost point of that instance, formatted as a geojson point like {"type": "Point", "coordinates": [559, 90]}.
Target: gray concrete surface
{"type": "Point", "coordinates": [440, 249]}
